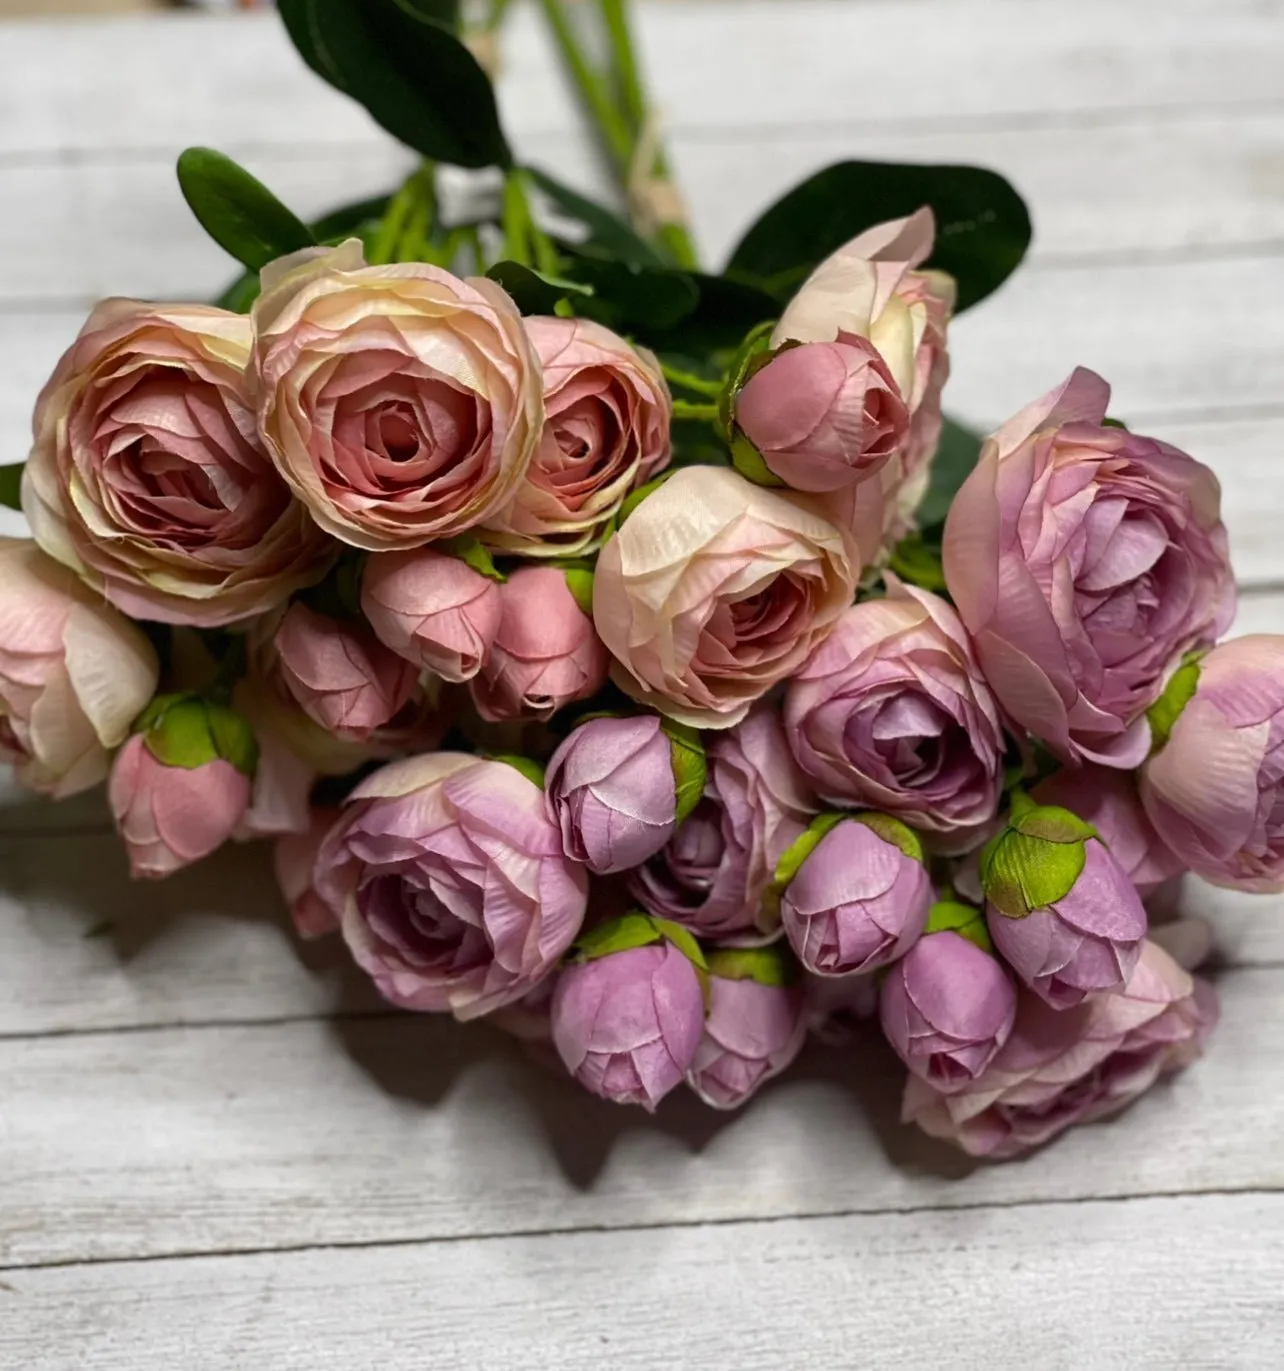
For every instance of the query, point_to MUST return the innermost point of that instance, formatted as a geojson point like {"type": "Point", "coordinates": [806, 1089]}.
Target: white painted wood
{"type": "Point", "coordinates": [1190, 1283]}
{"type": "Point", "coordinates": [411, 1127]}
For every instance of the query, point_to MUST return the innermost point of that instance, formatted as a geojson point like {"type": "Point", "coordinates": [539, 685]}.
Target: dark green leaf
{"type": "Point", "coordinates": [982, 225]}
{"type": "Point", "coordinates": [11, 485]}
{"type": "Point", "coordinates": [955, 458]}
{"type": "Point", "coordinates": [347, 219]}
{"type": "Point", "coordinates": [646, 301]}
{"type": "Point", "coordinates": [241, 215]}
{"type": "Point", "coordinates": [607, 230]}
{"type": "Point", "coordinates": [413, 75]}
{"type": "Point", "coordinates": [531, 292]}
{"type": "Point", "coordinates": [725, 312]}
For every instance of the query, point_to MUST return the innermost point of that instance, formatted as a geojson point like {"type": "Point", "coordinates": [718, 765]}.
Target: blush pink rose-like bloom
{"type": "Point", "coordinates": [546, 653]}
{"type": "Point", "coordinates": [340, 674]}
{"type": "Point", "coordinates": [824, 416]}
{"type": "Point", "coordinates": [400, 403]}
{"type": "Point", "coordinates": [715, 589]}
{"type": "Point", "coordinates": [74, 674]}
{"type": "Point", "coordinates": [1085, 561]}
{"type": "Point", "coordinates": [432, 609]}
{"type": "Point", "coordinates": [1215, 790]}
{"type": "Point", "coordinates": [294, 859]}
{"type": "Point", "coordinates": [1059, 1068]}
{"type": "Point", "coordinates": [451, 887]}
{"type": "Point", "coordinates": [1109, 800]}
{"type": "Point", "coordinates": [147, 476]}
{"type": "Point", "coordinates": [712, 875]}
{"type": "Point", "coordinates": [606, 431]}
{"type": "Point", "coordinates": [891, 712]}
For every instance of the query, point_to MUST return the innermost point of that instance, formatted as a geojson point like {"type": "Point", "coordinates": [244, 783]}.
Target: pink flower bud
{"type": "Point", "coordinates": [432, 609]}
{"type": "Point", "coordinates": [340, 674]}
{"type": "Point", "coordinates": [824, 415]}
{"type": "Point", "coordinates": [947, 1007]}
{"type": "Point", "coordinates": [295, 858]}
{"type": "Point", "coordinates": [546, 653]}
{"type": "Point", "coordinates": [627, 1025]}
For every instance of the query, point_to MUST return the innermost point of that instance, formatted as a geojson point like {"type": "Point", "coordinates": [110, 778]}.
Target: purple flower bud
{"type": "Point", "coordinates": [627, 1024]}
{"type": "Point", "coordinates": [947, 1007]}
{"type": "Point", "coordinates": [858, 900]}
{"type": "Point", "coordinates": [611, 789]}
{"type": "Point", "coordinates": [754, 1030]}
{"type": "Point", "coordinates": [1088, 940]}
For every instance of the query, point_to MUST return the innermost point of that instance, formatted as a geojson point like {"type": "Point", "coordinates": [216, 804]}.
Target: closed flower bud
{"type": "Point", "coordinates": [755, 1026]}
{"type": "Point", "coordinates": [947, 1007]}
{"type": "Point", "coordinates": [180, 786]}
{"type": "Point", "coordinates": [627, 1016]}
{"type": "Point", "coordinates": [854, 893]}
{"type": "Point", "coordinates": [1060, 909]}
{"type": "Point", "coordinates": [619, 787]}
{"type": "Point", "coordinates": [295, 859]}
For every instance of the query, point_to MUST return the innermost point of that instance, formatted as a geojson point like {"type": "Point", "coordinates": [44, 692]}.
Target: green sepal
{"type": "Point", "coordinates": [792, 858]}
{"type": "Point", "coordinates": [1051, 823]}
{"type": "Point", "coordinates": [770, 965]}
{"type": "Point", "coordinates": [616, 935]}
{"type": "Point", "coordinates": [953, 916]}
{"type": "Point", "coordinates": [472, 553]}
{"type": "Point", "coordinates": [187, 731]}
{"type": "Point", "coordinates": [754, 352]}
{"type": "Point", "coordinates": [894, 831]}
{"type": "Point", "coordinates": [529, 768]}
{"type": "Point", "coordinates": [1036, 859]}
{"type": "Point", "coordinates": [579, 581]}
{"type": "Point", "coordinates": [749, 462]}
{"type": "Point", "coordinates": [1166, 710]}
{"type": "Point", "coordinates": [690, 766]}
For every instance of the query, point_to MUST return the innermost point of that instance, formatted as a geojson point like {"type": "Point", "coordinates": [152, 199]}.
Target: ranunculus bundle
{"type": "Point", "coordinates": [635, 656]}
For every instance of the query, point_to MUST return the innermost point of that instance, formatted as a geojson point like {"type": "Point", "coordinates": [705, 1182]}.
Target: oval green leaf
{"type": "Point", "coordinates": [237, 210]}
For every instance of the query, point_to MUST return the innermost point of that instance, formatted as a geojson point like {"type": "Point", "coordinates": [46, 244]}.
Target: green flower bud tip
{"type": "Point", "coordinates": [187, 731]}
{"type": "Point", "coordinates": [1036, 859]}
{"type": "Point", "coordinates": [690, 766]}
{"type": "Point", "coordinates": [1166, 710]}
{"type": "Point", "coordinates": [766, 965]}
{"type": "Point", "coordinates": [529, 768]}
{"type": "Point", "coordinates": [952, 916]}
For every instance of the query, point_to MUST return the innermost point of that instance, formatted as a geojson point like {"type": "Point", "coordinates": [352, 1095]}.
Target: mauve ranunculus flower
{"type": "Point", "coordinates": [1085, 560]}
{"type": "Point", "coordinates": [612, 789]}
{"type": "Point", "coordinates": [450, 882]}
{"type": "Point", "coordinates": [891, 712]}
{"type": "Point", "coordinates": [606, 430]}
{"type": "Point", "coordinates": [74, 674]}
{"type": "Point", "coordinates": [859, 900]}
{"type": "Point", "coordinates": [147, 476]}
{"type": "Point", "coordinates": [432, 609]}
{"type": "Point", "coordinates": [946, 1008]}
{"type": "Point", "coordinates": [294, 860]}
{"type": "Point", "coordinates": [823, 416]}
{"type": "Point", "coordinates": [171, 816]}
{"type": "Point", "coordinates": [713, 873]}
{"type": "Point", "coordinates": [401, 403]}
{"type": "Point", "coordinates": [340, 674]}
{"type": "Point", "coordinates": [1215, 791]}
{"type": "Point", "coordinates": [715, 589]}
{"type": "Point", "coordinates": [627, 1025]}
{"type": "Point", "coordinates": [546, 653]}
{"type": "Point", "coordinates": [755, 1028]}
{"type": "Point", "coordinates": [1109, 800]}
{"type": "Point", "coordinates": [1060, 1068]}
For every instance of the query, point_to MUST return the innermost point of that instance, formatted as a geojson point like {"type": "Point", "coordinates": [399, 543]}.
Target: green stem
{"type": "Point", "coordinates": [525, 241]}
{"type": "Point", "coordinates": [628, 80]}
{"type": "Point", "coordinates": [403, 233]}
{"type": "Point", "coordinates": [689, 381]}
{"type": "Point", "coordinates": [611, 125]}
{"type": "Point", "coordinates": [687, 409]}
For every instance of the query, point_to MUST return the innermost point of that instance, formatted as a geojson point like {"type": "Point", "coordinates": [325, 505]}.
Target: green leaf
{"type": "Point", "coordinates": [414, 76]}
{"type": "Point", "coordinates": [346, 220]}
{"type": "Point", "coordinates": [767, 965]}
{"type": "Point", "coordinates": [607, 231]}
{"type": "Point", "coordinates": [918, 562]}
{"type": "Point", "coordinates": [982, 224]}
{"type": "Point", "coordinates": [636, 300]}
{"type": "Point", "coordinates": [532, 292]}
{"type": "Point", "coordinates": [955, 457]}
{"type": "Point", "coordinates": [11, 485]}
{"type": "Point", "coordinates": [726, 311]}
{"type": "Point", "coordinates": [1166, 710]}
{"type": "Point", "coordinates": [690, 766]}
{"type": "Point", "coordinates": [241, 215]}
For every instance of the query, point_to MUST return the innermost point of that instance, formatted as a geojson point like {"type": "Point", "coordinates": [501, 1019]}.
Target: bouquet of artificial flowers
{"type": "Point", "coordinates": [634, 655]}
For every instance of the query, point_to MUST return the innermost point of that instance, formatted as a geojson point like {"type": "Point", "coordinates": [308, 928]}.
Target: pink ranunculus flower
{"type": "Point", "coordinates": [432, 609]}
{"type": "Point", "coordinates": [401, 403]}
{"type": "Point", "coordinates": [1064, 1067]}
{"type": "Point", "coordinates": [294, 859]}
{"type": "Point", "coordinates": [824, 416]}
{"type": "Point", "coordinates": [1085, 560]}
{"type": "Point", "coordinates": [171, 816]}
{"type": "Point", "coordinates": [546, 653]}
{"type": "Point", "coordinates": [147, 476]}
{"type": "Point", "coordinates": [1109, 800]}
{"type": "Point", "coordinates": [715, 589]}
{"type": "Point", "coordinates": [712, 875]}
{"type": "Point", "coordinates": [340, 674]}
{"type": "Point", "coordinates": [891, 712]}
{"type": "Point", "coordinates": [1215, 790]}
{"type": "Point", "coordinates": [606, 431]}
{"type": "Point", "coordinates": [74, 673]}
{"type": "Point", "coordinates": [452, 889]}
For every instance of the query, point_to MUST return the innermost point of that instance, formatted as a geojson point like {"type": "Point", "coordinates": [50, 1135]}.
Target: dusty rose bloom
{"type": "Point", "coordinates": [294, 859]}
